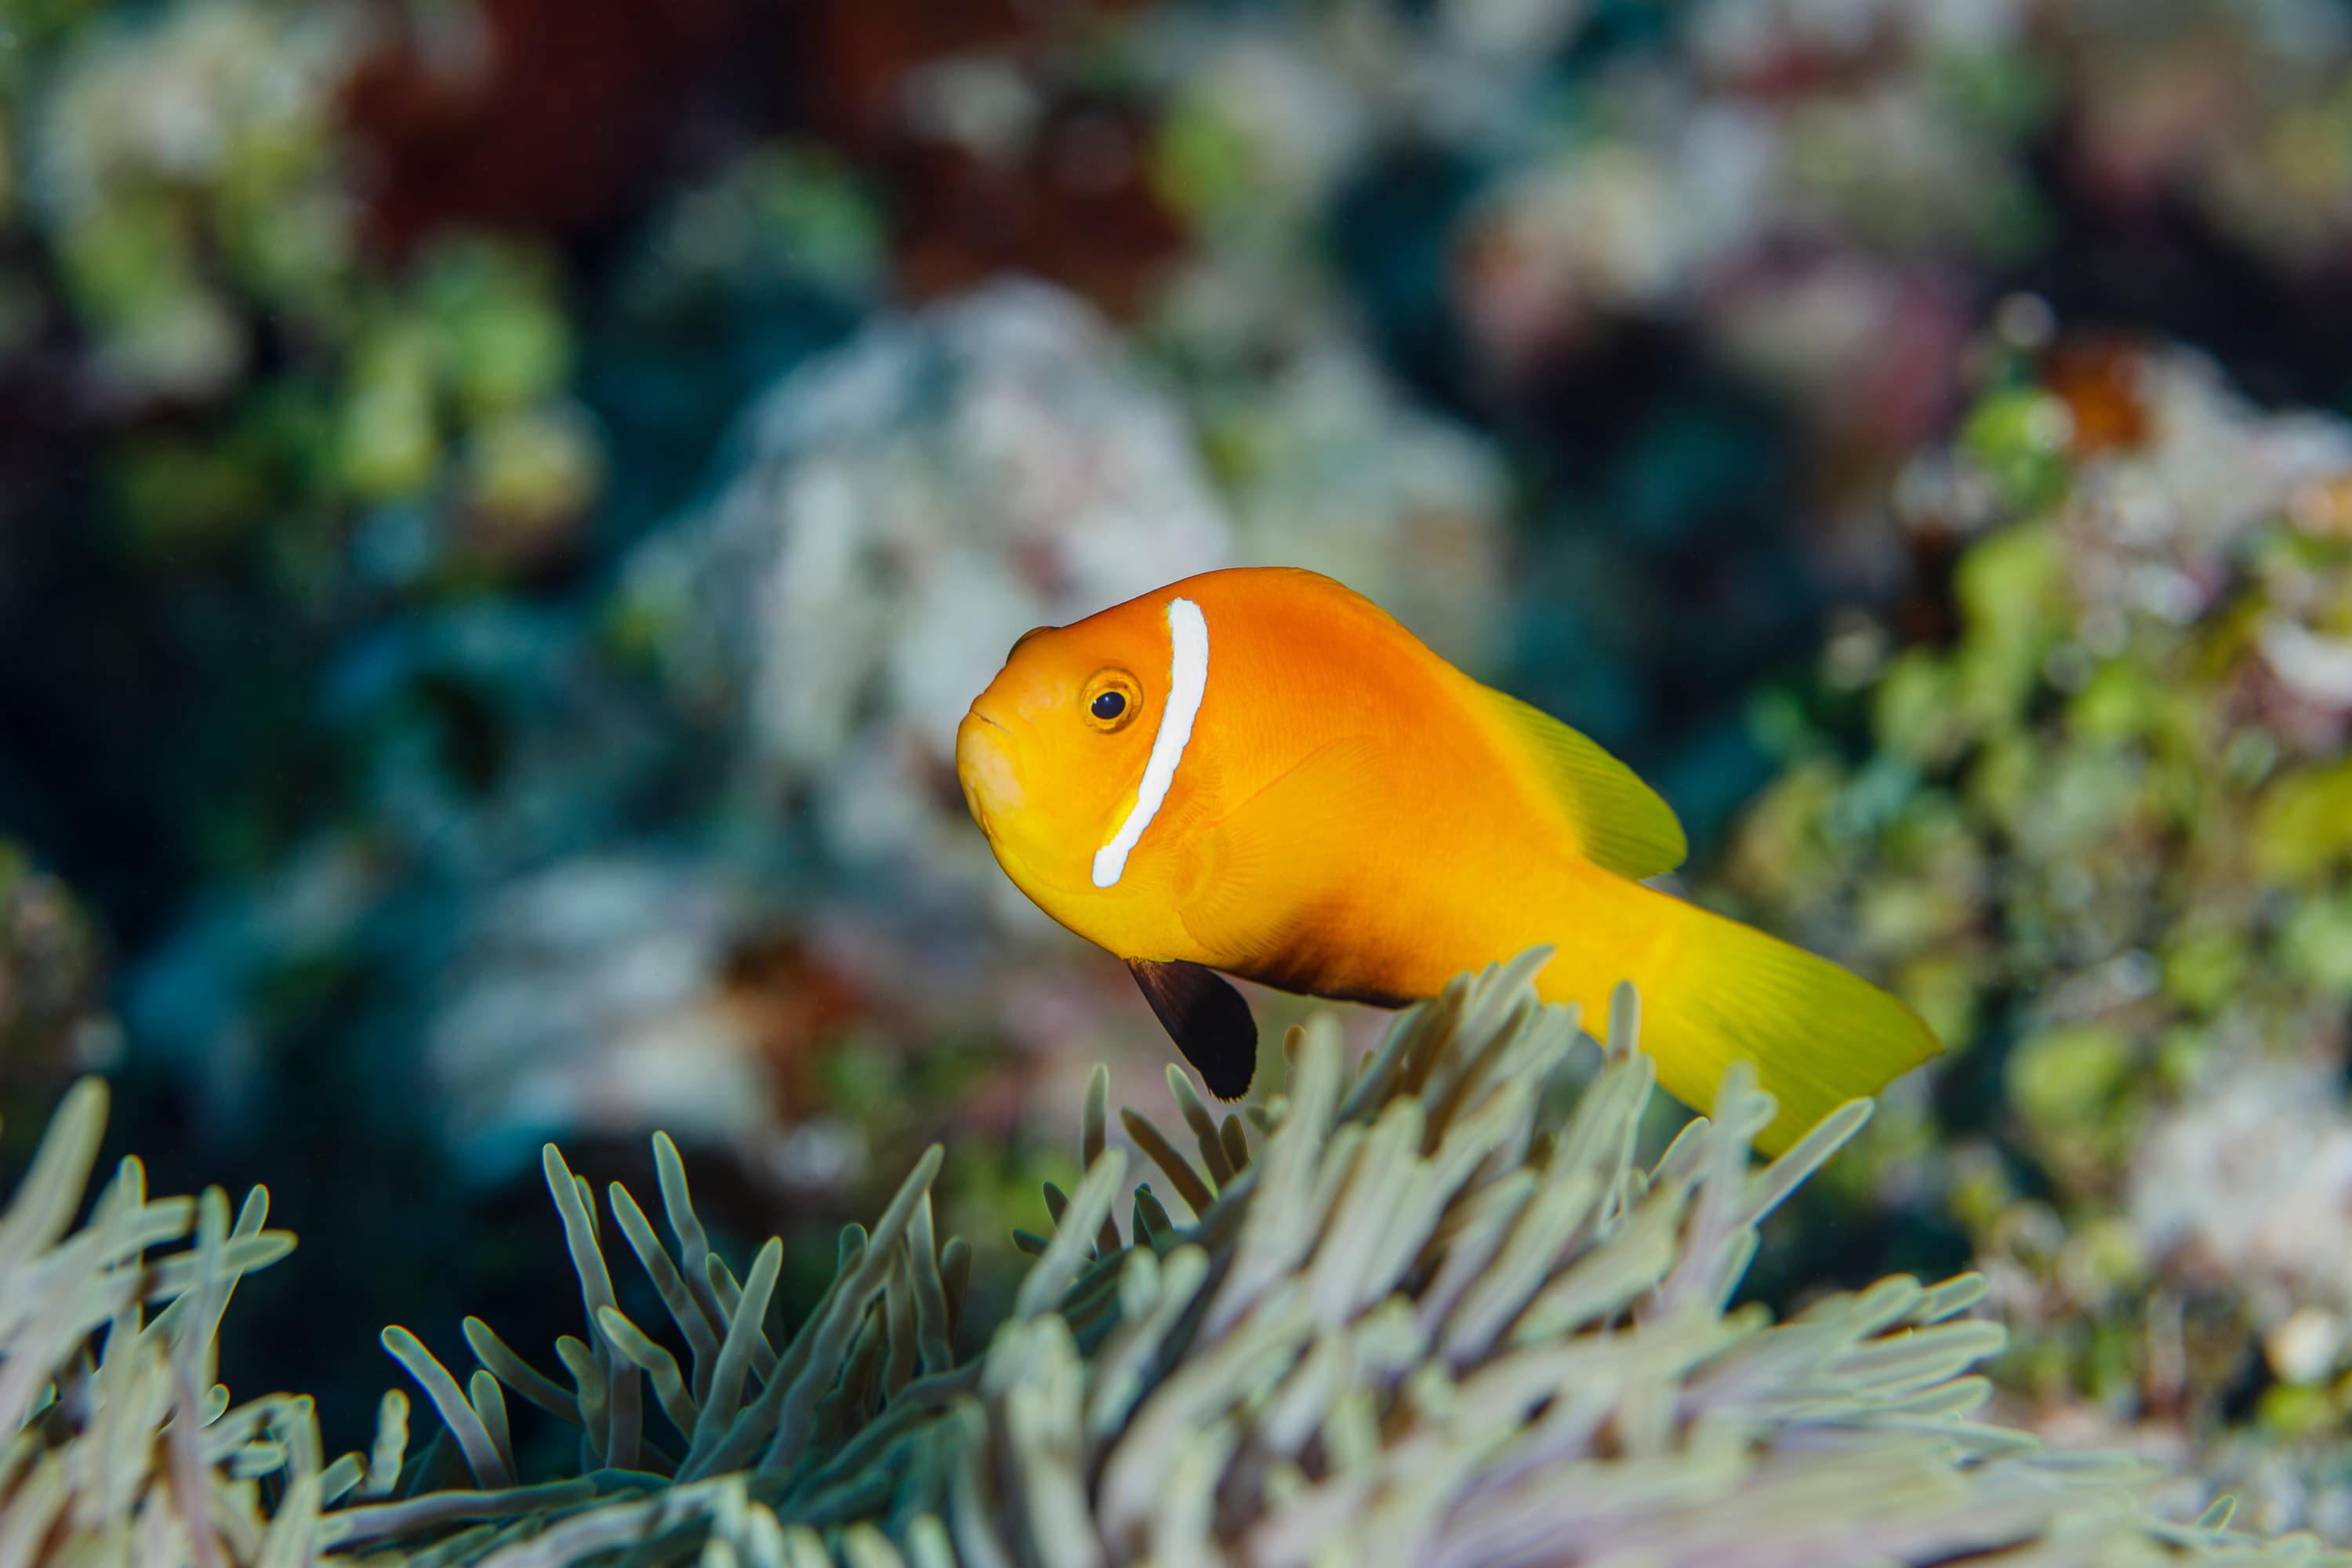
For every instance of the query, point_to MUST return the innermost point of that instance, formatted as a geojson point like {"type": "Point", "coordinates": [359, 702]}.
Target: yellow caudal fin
{"type": "Point", "coordinates": [1618, 823]}
{"type": "Point", "coordinates": [1716, 992]}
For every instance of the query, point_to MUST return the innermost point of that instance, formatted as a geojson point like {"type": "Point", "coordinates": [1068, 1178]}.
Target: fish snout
{"type": "Point", "coordinates": [984, 765]}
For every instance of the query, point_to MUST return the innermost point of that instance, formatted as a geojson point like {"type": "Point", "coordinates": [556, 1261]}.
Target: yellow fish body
{"type": "Point", "coordinates": [1259, 772]}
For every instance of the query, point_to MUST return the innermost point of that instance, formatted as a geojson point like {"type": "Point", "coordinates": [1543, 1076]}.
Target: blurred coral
{"type": "Point", "coordinates": [580, 1000]}
{"type": "Point", "coordinates": [183, 161]}
{"type": "Point", "coordinates": [900, 510]}
{"type": "Point", "coordinates": [996, 151]}
{"type": "Point", "coordinates": [2094, 844]}
{"type": "Point", "coordinates": [542, 115]}
{"type": "Point", "coordinates": [54, 1021]}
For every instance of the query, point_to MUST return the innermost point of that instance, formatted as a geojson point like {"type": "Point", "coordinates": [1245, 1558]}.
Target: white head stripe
{"type": "Point", "coordinates": [1188, 677]}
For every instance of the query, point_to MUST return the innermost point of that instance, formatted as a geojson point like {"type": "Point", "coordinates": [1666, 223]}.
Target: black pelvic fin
{"type": "Point", "coordinates": [1207, 1019]}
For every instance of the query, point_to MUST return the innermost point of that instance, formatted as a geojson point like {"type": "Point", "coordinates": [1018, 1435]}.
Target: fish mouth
{"type": "Point", "coordinates": [984, 765]}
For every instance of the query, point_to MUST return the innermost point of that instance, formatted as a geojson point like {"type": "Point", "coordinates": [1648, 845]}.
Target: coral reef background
{"type": "Point", "coordinates": [502, 501]}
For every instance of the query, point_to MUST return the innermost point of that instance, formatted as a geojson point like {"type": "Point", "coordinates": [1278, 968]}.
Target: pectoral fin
{"type": "Point", "coordinates": [1255, 888]}
{"type": "Point", "coordinates": [1207, 1019]}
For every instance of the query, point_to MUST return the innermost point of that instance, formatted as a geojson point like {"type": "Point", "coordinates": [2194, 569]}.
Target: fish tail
{"type": "Point", "coordinates": [1715, 992]}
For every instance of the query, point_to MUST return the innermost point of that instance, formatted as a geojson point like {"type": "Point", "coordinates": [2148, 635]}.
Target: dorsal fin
{"type": "Point", "coordinates": [1620, 824]}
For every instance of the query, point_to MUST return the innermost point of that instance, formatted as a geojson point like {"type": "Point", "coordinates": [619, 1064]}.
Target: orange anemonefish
{"type": "Point", "coordinates": [1259, 771]}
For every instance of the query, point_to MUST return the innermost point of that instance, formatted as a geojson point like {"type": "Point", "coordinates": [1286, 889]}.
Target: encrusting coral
{"type": "Point", "coordinates": [1430, 1312]}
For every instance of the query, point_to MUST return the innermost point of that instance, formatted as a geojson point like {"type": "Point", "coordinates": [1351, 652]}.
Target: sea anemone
{"type": "Point", "coordinates": [1429, 1311]}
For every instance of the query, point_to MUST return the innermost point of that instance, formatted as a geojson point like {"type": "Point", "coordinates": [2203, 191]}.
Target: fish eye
{"type": "Point", "coordinates": [1112, 700]}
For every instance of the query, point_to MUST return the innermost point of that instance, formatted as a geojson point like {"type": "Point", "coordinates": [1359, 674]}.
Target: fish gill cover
{"type": "Point", "coordinates": [1424, 1309]}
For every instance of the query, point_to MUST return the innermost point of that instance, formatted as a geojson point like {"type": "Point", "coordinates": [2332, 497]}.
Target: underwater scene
{"type": "Point", "coordinates": [939, 784]}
